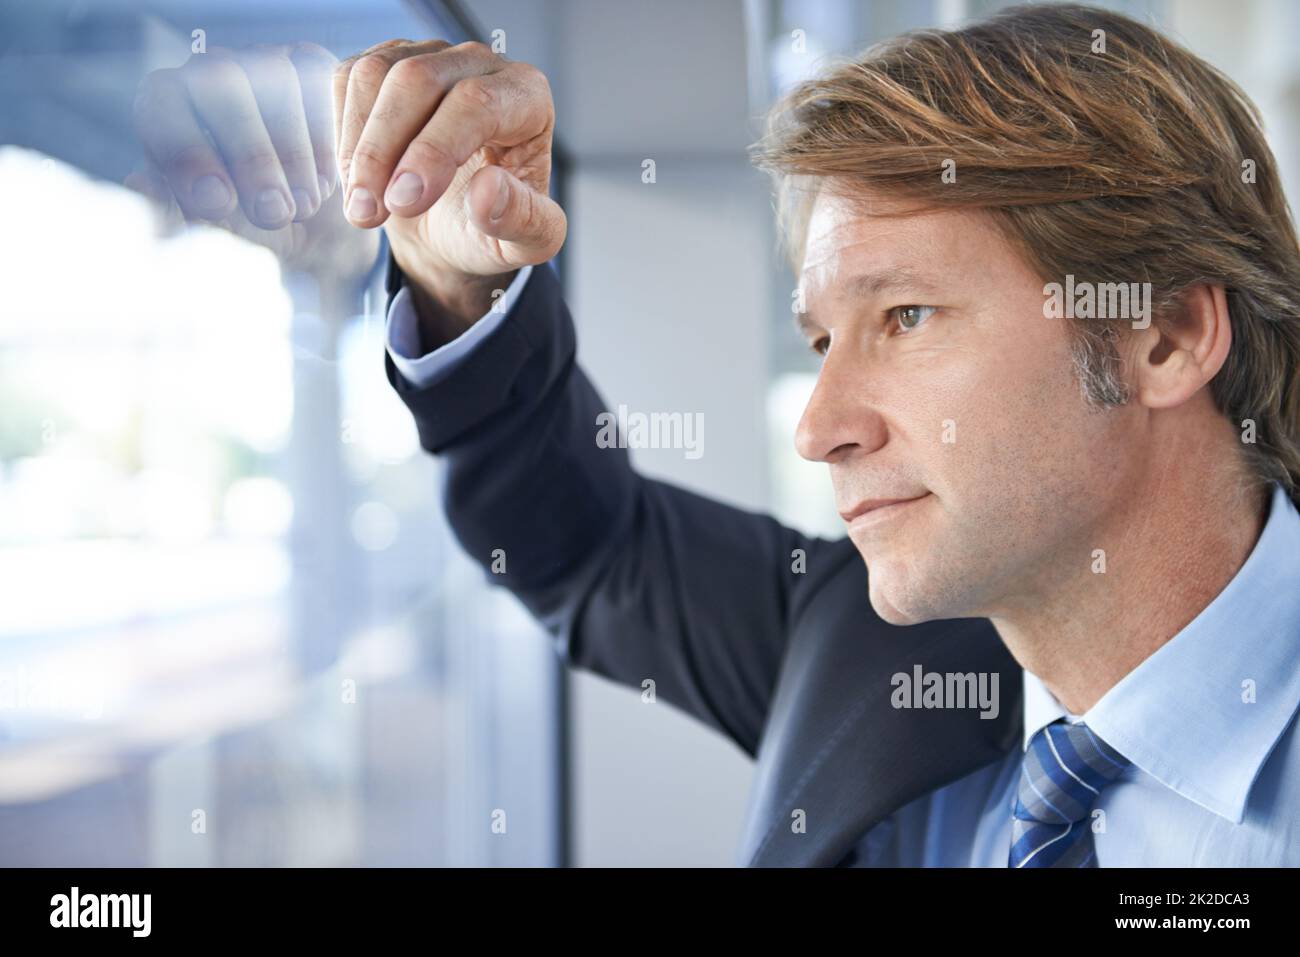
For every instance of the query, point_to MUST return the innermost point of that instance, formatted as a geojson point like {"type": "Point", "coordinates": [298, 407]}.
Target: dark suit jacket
{"type": "Point", "coordinates": [639, 579]}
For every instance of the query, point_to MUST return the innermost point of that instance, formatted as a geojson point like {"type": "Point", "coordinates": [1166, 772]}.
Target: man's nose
{"type": "Point", "coordinates": [840, 417]}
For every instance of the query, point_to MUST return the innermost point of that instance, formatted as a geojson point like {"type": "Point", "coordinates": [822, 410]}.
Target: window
{"type": "Point", "coordinates": [235, 629]}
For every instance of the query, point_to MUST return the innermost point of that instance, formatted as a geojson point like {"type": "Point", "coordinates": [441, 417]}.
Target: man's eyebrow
{"type": "Point", "coordinates": [872, 284]}
{"type": "Point", "coordinates": [805, 326]}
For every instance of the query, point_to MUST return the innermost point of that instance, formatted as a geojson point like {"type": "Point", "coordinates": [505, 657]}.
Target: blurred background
{"type": "Point", "coordinates": [234, 627]}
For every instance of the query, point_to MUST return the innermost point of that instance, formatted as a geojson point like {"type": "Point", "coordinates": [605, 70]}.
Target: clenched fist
{"type": "Point", "coordinates": [449, 149]}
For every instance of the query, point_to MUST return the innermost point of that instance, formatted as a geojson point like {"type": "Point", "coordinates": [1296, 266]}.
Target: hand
{"type": "Point", "coordinates": [449, 148]}
{"type": "Point", "coordinates": [244, 140]}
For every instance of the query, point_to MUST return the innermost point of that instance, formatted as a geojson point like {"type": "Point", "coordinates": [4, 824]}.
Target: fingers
{"type": "Point", "coordinates": [390, 97]}
{"type": "Point", "coordinates": [177, 145]}
{"type": "Point", "coordinates": [315, 66]}
{"type": "Point", "coordinates": [279, 100]}
{"type": "Point", "coordinates": [225, 104]}
{"type": "Point", "coordinates": [531, 223]}
{"type": "Point", "coordinates": [356, 85]}
{"type": "Point", "coordinates": [251, 130]}
{"type": "Point", "coordinates": [413, 89]}
{"type": "Point", "coordinates": [492, 109]}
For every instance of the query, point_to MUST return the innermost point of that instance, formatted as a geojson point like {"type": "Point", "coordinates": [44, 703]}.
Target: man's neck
{"type": "Point", "coordinates": [1169, 551]}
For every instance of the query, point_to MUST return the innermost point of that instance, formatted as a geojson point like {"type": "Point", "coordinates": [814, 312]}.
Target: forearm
{"type": "Point", "coordinates": [515, 422]}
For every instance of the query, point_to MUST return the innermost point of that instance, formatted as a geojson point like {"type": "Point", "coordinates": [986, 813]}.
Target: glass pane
{"type": "Point", "coordinates": [234, 627]}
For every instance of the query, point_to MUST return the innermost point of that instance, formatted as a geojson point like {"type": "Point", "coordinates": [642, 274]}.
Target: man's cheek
{"type": "Point", "coordinates": [955, 387]}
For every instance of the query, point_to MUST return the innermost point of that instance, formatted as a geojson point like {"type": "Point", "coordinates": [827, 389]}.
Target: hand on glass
{"type": "Point", "coordinates": [245, 140]}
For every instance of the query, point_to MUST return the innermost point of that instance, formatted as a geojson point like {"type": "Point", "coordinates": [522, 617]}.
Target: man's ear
{"type": "Point", "coordinates": [1174, 357]}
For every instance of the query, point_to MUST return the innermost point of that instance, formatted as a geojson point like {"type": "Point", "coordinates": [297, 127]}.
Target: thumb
{"type": "Point", "coordinates": [530, 225]}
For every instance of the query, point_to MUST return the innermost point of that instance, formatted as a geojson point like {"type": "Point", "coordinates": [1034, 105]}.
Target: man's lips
{"type": "Point", "coordinates": [868, 505]}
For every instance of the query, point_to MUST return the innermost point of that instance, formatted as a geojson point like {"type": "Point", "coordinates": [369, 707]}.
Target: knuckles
{"type": "Point", "coordinates": [369, 71]}
{"type": "Point", "coordinates": [475, 48]}
{"type": "Point", "coordinates": [366, 157]}
{"type": "Point", "coordinates": [427, 157]}
{"type": "Point", "coordinates": [479, 90]}
{"type": "Point", "coordinates": [416, 74]}
{"type": "Point", "coordinates": [217, 74]}
{"type": "Point", "coordinates": [154, 92]}
{"type": "Point", "coordinates": [423, 72]}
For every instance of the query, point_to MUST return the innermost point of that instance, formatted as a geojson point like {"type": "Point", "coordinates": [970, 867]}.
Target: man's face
{"type": "Point", "coordinates": [967, 404]}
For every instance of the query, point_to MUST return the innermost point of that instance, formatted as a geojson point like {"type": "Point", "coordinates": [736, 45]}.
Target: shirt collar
{"type": "Point", "coordinates": [1202, 713]}
{"type": "Point", "coordinates": [1041, 708]}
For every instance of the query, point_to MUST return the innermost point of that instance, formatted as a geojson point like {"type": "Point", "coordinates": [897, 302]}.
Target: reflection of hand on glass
{"type": "Point", "coordinates": [245, 140]}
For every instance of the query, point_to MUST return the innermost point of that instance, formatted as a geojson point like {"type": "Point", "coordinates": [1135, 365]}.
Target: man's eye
{"type": "Point", "coordinates": [909, 317]}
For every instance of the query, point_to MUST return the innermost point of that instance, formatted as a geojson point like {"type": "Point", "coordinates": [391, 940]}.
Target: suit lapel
{"type": "Point", "coordinates": [835, 749]}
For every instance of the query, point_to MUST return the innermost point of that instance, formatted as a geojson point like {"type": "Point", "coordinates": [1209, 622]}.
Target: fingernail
{"type": "Point", "coordinates": [302, 200]}
{"type": "Point", "coordinates": [361, 204]}
{"type": "Point", "coordinates": [325, 185]}
{"type": "Point", "coordinates": [406, 189]}
{"type": "Point", "coordinates": [503, 197]}
{"type": "Point", "coordinates": [271, 207]}
{"type": "Point", "coordinates": [211, 192]}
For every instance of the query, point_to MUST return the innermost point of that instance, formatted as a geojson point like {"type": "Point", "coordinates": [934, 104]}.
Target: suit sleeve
{"type": "Point", "coordinates": [635, 579]}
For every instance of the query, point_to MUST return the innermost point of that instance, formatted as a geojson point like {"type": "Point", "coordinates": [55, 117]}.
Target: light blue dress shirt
{"type": "Point", "coordinates": [1208, 721]}
{"type": "Point", "coordinates": [426, 368]}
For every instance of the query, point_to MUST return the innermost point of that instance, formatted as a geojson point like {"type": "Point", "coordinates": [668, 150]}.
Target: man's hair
{"type": "Point", "coordinates": [1110, 156]}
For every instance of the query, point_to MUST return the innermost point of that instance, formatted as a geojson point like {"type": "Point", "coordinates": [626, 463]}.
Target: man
{"type": "Point", "coordinates": [1051, 274]}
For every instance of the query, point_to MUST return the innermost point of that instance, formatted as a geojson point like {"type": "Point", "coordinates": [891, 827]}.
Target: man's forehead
{"type": "Point", "coordinates": [841, 231]}
{"type": "Point", "coordinates": [836, 207]}
{"type": "Point", "coordinates": [872, 243]}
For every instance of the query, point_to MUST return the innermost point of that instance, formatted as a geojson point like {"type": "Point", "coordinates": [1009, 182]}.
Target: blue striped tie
{"type": "Point", "coordinates": [1064, 770]}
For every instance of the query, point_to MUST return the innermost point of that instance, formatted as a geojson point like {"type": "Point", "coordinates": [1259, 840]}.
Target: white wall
{"type": "Point", "coordinates": [667, 284]}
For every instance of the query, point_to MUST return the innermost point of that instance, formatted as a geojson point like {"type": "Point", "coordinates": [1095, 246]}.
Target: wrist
{"type": "Point", "coordinates": [448, 302]}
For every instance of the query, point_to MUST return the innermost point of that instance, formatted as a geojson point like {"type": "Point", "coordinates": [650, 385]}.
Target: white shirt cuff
{"type": "Point", "coordinates": [403, 335]}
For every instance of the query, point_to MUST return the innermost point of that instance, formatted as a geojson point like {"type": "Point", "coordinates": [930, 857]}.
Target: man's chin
{"type": "Point", "coordinates": [896, 616]}
{"type": "Point", "coordinates": [904, 592]}
{"type": "Point", "coordinates": [909, 597]}
{"type": "Point", "coordinates": [893, 608]}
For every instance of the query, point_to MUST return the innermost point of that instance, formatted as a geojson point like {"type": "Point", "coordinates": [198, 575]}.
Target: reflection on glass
{"type": "Point", "coordinates": [234, 628]}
